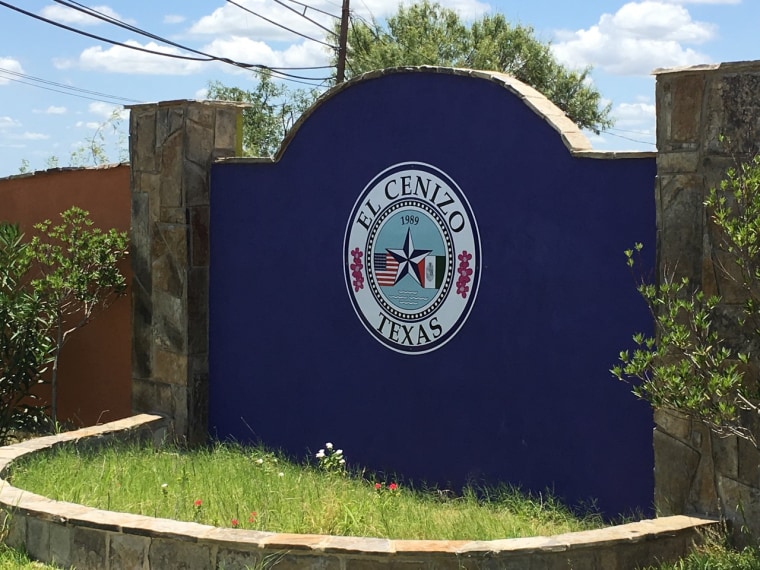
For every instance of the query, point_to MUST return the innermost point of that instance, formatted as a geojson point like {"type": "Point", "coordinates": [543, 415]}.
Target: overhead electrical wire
{"type": "Point", "coordinates": [308, 7]}
{"type": "Point", "coordinates": [284, 27]}
{"type": "Point", "coordinates": [305, 17]}
{"type": "Point", "coordinates": [106, 18]}
{"type": "Point", "coordinates": [205, 58]}
{"type": "Point", "coordinates": [68, 88]}
{"type": "Point", "coordinates": [628, 138]}
{"type": "Point", "coordinates": [58, 90]}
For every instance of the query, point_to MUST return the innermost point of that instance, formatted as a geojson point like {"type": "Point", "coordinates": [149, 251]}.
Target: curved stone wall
{"type": "Point", "coordinates": [74, 535]}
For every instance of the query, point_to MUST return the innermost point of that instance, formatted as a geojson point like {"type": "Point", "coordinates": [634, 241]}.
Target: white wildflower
{"type": "Point", "coordinates": [329, 445]}
{"type": "Point", "coordinates": [342, 461]}
{"type": "Point", "coordinates": [259, 461]}
{"type": "Point", "coordinates": [281, 474]}
{"type": "Point", "coordinates": [339, 452]}
{"type": "Point", "coordinates": [320, 454]}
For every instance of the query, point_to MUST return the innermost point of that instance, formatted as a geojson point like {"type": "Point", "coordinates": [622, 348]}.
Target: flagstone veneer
{"type": "Point", "coordinates": [172, 145]}
{"type": "Point", "coordinates": [708, 118]}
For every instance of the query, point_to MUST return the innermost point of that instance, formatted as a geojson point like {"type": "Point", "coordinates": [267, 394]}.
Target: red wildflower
{"type": "Point", "coordinates": [198, 502]}
{"type": "Point", "coordinates": [378, 486]}
{"type": "Point", "coordinates": [235, 523]}
{"type": "Point", "coordinates": [393, 486]}
{"type": "Point", "coordinates": [252, 517]}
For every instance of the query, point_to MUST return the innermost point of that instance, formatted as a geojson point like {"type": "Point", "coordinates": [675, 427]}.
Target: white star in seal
{"type": "Point", "coordinates": [408, 259]}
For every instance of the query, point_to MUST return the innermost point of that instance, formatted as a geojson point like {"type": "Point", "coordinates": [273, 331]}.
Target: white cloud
{"type": "Point", "coordinates": [629, 115]}
{"type": "Point", "coordinates": [638, 38]}
{"type": "Point", "coordinates": [304, 54]}
{"type": "Point", "coordinates": [173, 19]}
{"type": "Point", "coordinates": [66, 15]}
{"type": "Point", "coordinates": [705, 1]}
{"type": "Point", "coordinates": [230, 20]}
{"type": "Point", "coordinates": [11, 65]}
{"type": "Point", "coordinates": [52, 110]}
{"type": "Point", "coordinates": [635, 127]}
{"type": "Point", "coordinates": [106, 110]}
{"type": "Point", "coordinates": [32, 136]}
{"type": "Point", "coordinates": [90, 125]}
{"type": "Point", "coordinates": [8, 123]}
{"type": "Point", "coordinates": [467, 9]}
{"type": "Point", "coordinates": [251, 22]}
{"type": "Point", "coordinates": [118, 59]}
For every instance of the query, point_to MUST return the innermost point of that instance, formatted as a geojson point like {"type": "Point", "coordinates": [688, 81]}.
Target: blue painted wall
{"type": "Point", "coordinates": [522, 393]}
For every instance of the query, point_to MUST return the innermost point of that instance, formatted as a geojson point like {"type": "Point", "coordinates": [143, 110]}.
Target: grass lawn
{"type": "Point", "coordinates": [234, 486]}
{"type": "Point", "coordinates": [11, 559]}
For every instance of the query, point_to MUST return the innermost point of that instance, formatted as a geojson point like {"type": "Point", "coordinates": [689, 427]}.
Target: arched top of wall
{"type": "Point", "coordinates": [571, 135]}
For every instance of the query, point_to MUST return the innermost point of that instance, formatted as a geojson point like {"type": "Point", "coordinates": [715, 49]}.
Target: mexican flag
{"type": "Point", "coordinates": [432, 270]}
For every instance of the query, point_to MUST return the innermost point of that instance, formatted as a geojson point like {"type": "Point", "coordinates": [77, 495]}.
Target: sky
{"type": "Point", "coordinates": [60, 90]}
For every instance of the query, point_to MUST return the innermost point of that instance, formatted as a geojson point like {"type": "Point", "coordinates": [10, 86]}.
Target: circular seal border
{"type": "Point", "coordinates": [355, 261]}
{"type": "Point", "coordinates": [387, 212]}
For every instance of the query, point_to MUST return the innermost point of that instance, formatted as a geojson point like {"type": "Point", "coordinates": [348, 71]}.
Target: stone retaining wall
{"type": "Point", "coordinates": [85, 538]}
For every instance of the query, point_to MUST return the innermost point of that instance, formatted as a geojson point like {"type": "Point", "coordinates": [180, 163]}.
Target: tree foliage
{"type": "Point", "coordinates": [273, 110]}
{"type": "Point", "coordinates": [79, 274]}
{"type": "Point", "coordinates": [25, 345]}
{"type": "Point", "coordinates": [698, 361]}
{"type": "Point", "coordinates": [49, 287]}
{"type": "Point", "coordinates": [424, 34]}
{"type": "Point", "coordinates": [428, 34]}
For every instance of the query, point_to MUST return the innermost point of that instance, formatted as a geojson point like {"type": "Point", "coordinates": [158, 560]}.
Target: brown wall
{"type": "Point", "coordinates": [95, 368]}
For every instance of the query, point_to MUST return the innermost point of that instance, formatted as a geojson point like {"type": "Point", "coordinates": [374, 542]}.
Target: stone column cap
{"type": "Point", "coordinates": [181, 102]}
{"type": "Point", "coordinates": [731, 66]}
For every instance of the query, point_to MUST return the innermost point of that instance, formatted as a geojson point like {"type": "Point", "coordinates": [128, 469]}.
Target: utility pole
{"type": "Point", "coordinates": [342, 41]}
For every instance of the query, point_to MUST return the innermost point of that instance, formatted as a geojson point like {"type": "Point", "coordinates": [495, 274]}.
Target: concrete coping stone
{"type": "Point", "coordinates": [570, 134]}
{"type": "Point", "coordinates": [17, 500]}
{"type": "Point", "coordinates": [725, 67]}
{"type": "Point", "coordinates": [182, 102]}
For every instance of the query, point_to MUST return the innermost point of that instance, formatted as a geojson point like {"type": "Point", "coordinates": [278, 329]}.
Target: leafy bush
{"type": "Point", "coordinates": [693, 364]}
{"type": "Point", "coordinates": [25, 346]}
{"type": "Point", "coordinates": [49, 287]}
{"type": "Point", "coordinates": [78, 271]}
{"type": "Point", "coordinates": [687, 367]}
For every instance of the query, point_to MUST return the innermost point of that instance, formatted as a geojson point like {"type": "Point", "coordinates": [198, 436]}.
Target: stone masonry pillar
{"type": "Point", "coordinates": [708, 120]}
{"type": "Point", "coordinates": [171, 147]}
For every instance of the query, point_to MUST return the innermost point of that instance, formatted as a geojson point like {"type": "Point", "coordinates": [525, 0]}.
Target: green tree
{"type": "Point", "coordinates": [93, 151]}
{"type": "Point", "coordinates": [25, 345]}
{"type": "Point", "coordinates": [79, 274]}
{"type": "Point", "coordinates": [428, 34]}
{"type": "Point", "coordinates": [274, 108]}
{"type": "Point", "coordinates": [424, 34]}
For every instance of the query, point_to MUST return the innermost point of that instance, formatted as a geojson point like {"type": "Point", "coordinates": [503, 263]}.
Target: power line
{"type": "Point", "coordinates": [292, 31]}
{"type": "Point", "coordinates": [308, 7]}
{"type": "Point", "coordinates": [106, 18]}
{"type": "Point", "coordinates": [305, 17]}
{"type": "Point", "coordinates": [100, 99]}
{"type": "Point", "coordinates": [206, 58]}
{"type": "Point", "coordinates": [628, 131]}
{"type": "Point", "coordinates": [63, 86]}
{"type": "Point", "coordinates": [628, 138]}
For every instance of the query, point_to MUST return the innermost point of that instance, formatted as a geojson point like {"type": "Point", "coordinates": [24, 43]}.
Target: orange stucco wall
{"type": "Point", "coordinates": [95, 369]}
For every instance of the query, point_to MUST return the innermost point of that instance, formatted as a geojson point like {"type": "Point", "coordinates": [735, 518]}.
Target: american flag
{"type": "Point", "coordinates": [386, 267]}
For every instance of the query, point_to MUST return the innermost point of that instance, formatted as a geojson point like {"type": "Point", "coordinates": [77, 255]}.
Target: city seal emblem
{"type": "Point", "coordinates": [412, 258]}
